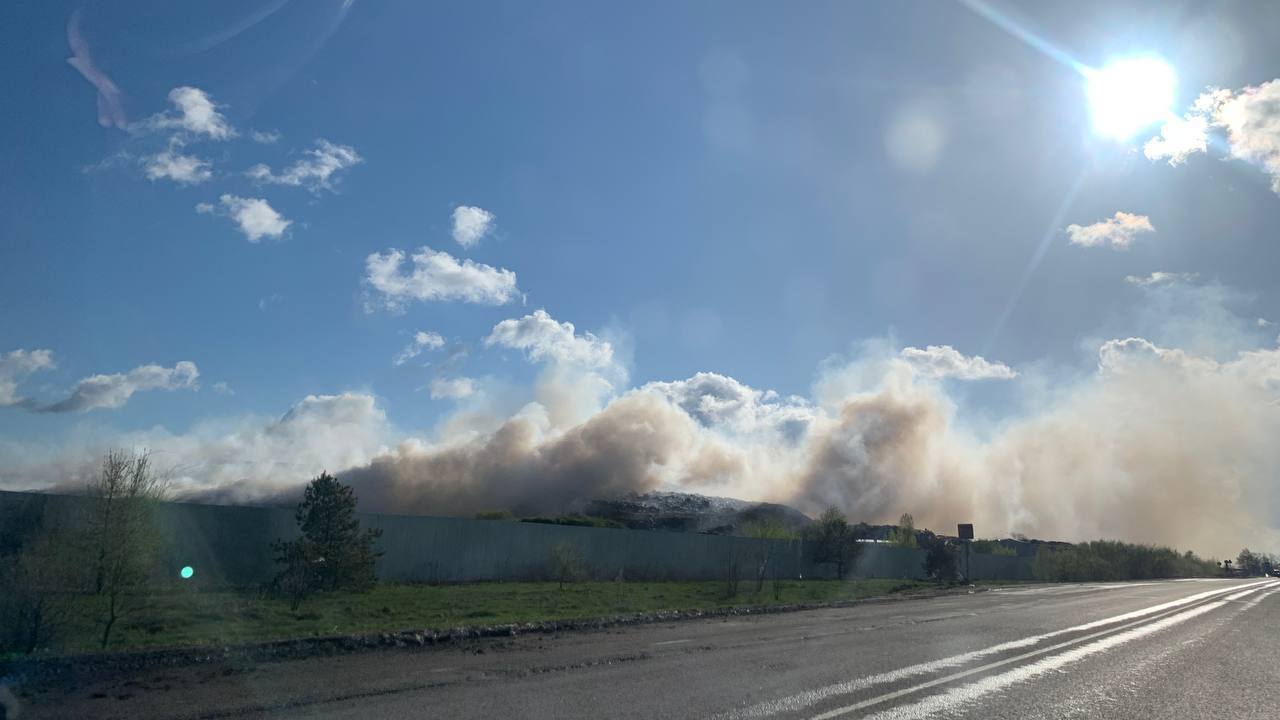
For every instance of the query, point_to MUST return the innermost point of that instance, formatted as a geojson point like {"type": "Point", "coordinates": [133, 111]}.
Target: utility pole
{"type": "Point", "coordinates": [965, 533]}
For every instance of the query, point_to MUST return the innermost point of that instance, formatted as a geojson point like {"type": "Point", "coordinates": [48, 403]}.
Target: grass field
{"type": "Point", "coordinates": [180, 618]}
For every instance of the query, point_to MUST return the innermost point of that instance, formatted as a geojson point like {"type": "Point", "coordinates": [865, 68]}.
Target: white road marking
{"type": "Point", "coordinates": [672, 642]}
{"type": "Point", "coordinates": [941, 702]}
{"type": "Point", "coordinates": [809, 698]}
{"type": "Point", "coordinates": [1260, 598]}
{"type": "Point", "coordinates": [968, 693]}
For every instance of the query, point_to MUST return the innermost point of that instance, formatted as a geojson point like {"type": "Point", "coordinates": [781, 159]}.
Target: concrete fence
{"type": "Point", "coordinates": [231, 546]}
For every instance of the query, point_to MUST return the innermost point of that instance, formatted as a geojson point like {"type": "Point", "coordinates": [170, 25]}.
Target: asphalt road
{"type": "Point", "coordinates": [1192, 649]}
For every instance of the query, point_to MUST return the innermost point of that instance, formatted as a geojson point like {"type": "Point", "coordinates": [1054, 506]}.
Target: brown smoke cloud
{"type": "Point", "coordinates": [1156, 446]}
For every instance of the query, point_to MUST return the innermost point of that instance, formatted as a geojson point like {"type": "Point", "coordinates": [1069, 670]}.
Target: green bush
{"type": "Point", "coordinates": [904, 535]}
{"type": "Point", "coordinates": [575, 520]}
{"type": "Point", "coordinates": [1114, 560]}
{"type": "Point", "coordinates": [992, 547]}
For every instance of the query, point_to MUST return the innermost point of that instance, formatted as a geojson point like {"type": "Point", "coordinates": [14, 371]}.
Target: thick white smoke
{"type": "Point", "coordinates": [1155, 444]}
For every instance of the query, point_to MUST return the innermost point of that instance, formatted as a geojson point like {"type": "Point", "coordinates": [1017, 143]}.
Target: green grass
{"type": "Point", "coordinates": [195, 617]}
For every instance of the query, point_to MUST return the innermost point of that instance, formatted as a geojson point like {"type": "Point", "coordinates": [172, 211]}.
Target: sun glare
{"type": "Point", "coordinates": [1128, 95]}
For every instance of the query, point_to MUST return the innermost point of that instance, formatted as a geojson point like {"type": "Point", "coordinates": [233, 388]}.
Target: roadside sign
{"type": "Point", "coordinates": [965, 531]}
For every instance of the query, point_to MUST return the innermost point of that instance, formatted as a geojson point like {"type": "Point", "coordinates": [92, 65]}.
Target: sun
{"type": "Point", "coordinates": [1128, 95]}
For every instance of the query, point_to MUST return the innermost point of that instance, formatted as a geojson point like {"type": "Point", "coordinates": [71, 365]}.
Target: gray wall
{"type": "Point", "coordinates": [230, 545]}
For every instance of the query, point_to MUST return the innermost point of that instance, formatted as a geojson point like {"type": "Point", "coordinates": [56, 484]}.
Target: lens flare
{"type": "Point", "coordinates": [1128, 95]}
{"type": "Point", "coordinates": [186, 572]}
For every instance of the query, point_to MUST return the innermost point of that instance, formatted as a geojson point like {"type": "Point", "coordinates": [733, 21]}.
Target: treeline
{"type": "Point", "coordinates": [1101, 560]}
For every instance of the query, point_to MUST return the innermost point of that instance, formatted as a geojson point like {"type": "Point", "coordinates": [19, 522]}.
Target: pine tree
{"type": "Point", "coordinates": [333, 553]}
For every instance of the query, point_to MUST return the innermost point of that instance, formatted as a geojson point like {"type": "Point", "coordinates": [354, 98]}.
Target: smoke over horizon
{"type": "Point", "coordinates": [1156, 445]}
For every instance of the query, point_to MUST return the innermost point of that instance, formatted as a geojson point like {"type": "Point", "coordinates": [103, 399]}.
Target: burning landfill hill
{"type": "Point", "coordinates": [688, 512]}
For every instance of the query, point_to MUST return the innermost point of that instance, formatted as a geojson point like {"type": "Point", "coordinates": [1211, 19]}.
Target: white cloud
{"type": "Point", "coordinates": [543, 339]}
{"type": "Point", "coordinates": [194, 112]}
{"type": "Point", "coordinates": [719, 402]}
{"type": "Point", "coordinates": [1252, 121]}
{"type": "Point", "coordinates": [944, 361]}
{"type": "Point", "coordinates": [436, 275]}
{"type": "Point", "coordinates": [236, 459]}
{"type": "Point", "coordinates": [1160, 277]}
{"type": "Point", "coordinates": [455, 388]}
{"type": "Point", "coordinates": [1250, 117]}
{"type": "Point", "coordinates": [223, 388]}
{"type": "Point", "coordinates": [421, 341]}
{"type": "Point", "coordinates": [113, 391]}
{"type": "Point", "coordinates": [15, 366]}
{"type": "Point", "coordinates": [265, 137]}
{"type": "Point", "coordinates": [255, 216]}
{"type": "Point", "coordinates": [1130, 354]}
{"type": "Point", "coordinates": [316, 171]}
{"type": "Point", "coordinates": [182, 169]}
{"type": "Point", "coordinates": [470, 224]}
{"type": "Point", "coordinates": [1117, 231]}
{"type": "Point", "coordinates": [1178, 139]}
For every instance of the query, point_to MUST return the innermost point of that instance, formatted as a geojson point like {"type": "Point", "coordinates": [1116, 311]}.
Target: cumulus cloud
{"type": "Point", "coordinates": [317, 171]}
{"type": "Point", "coordinates": [470, 224]}
{"type": "Point", "coordinates": [1117, 231]}
{"type": "Point", "coordinates": [254, 216]}
{"type": "Point", "coordinates": [434, 275]}
{"type": "Point", "coordinates": [1178, 139]}
{"type": "Point", "coordinates": [113, 391]}
{"type": "Point", "coordinates": [173, 165]}
{"type": "Point", "coordinates": [422, 340]}
{"type": "Point", "coordinates": [1130, 354]}
{"type": "Point", "coordinates": [543, 338]}
{"type": "Point", "coordinates": [453, 388]}
{"type": "Point", "coordinates": [222, 388]}
{"type": "Point", "coordinates": [721, 403]}
{"type": "Point", "coordinates": [1250, 117]}
{"type": "Point", "coordinates": [1159, 277]}
{"type": "Point", "coordinates": [193, 112]}
{"type": "Point", "coordinates": [15, 366]}
{"type": "Point", "coordinates": [944, 361]}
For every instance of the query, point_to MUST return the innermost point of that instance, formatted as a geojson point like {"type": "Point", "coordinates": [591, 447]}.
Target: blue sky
{"type": "Point", "coordinates": [767, 193]}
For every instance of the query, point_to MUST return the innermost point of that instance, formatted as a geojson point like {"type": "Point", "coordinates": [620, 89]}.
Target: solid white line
{"type": "Point", "coordinates": [942, 702]}
{"type": "Point", "coordinates": [672, 642]}
{"type": "Point", "coordinates": [937, 703]}
{"type": "Point", "coordinates": [1260, 598]}
{"type": "Point", "coordinates": [809, 698]}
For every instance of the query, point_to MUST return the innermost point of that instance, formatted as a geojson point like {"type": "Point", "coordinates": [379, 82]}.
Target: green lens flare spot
{"type": "Point", "coordinates": [186, 572]}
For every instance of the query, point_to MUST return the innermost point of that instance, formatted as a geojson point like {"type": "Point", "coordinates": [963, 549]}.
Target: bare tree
{"type": "Point", "coordinates": [765, 532]}
{"type": "Point", "coordinates": [567, 563]}
{"type": "Point", "coordinates": [123, 533]}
